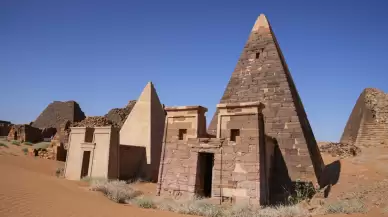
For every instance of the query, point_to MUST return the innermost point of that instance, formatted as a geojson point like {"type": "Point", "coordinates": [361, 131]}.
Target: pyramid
{"type": "Point", "coordinates": [57, 113]}
{"type": "Point", "coordinates": [368, 122]}
{"type": "Point", "coordinates": [261, 74]}
{"type": "Point", "coordinates": [144, 127]}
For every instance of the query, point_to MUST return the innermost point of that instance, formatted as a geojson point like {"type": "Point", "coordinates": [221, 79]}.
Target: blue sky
{"type": "Point", "coordinates": [102, 53]}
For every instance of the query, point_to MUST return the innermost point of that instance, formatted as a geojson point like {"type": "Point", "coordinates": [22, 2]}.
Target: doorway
{"type": "Point", "coordinates": [205, 174]}
{"type": "Point", "coordinates": [85, 164]}
{"type": "Point", "coordinates": [15, 135]}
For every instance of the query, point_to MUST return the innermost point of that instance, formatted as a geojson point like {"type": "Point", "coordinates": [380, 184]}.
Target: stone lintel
{"type": "Point", "coordinates": [205, 142]}
{"type": "Point", "coordinates": [88, 145]}
{"type": "Point", "coordinates": [185, 108]}
{"type": "Point", "coordinates": [241, 105]}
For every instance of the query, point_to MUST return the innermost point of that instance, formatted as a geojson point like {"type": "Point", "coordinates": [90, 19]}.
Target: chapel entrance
{"type": "Point", "coordinates": [205, 174]}
{"type": "Point", "coordinates": [85, 164]}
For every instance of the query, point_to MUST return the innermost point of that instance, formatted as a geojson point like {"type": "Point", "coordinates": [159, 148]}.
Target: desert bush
{"type": "Point", "coordinates": [200, 208]}
{"type": "Point", "coordinates": [60, 172]}
{"type": "Point", "coordinates": [15, 142]}
{"type": "Point", "coordinates": [90, 180]}
{"type": "Point", "coordinates": [115, 190]}
{"type": "Point", "coordinates": [25, 150]}
{"type": "Point", "coordinates": [3, 145]}
{"type": "Point", "coordinates": [303, 191]}
{"type": "Point", "coordinates": [28, 143]}
{"type": "Point", "coordinates": [276, 211]}
{"type": "Point", "coordinates": [346, 207]}
{"type": "Point", "coordinates": [144, 202]}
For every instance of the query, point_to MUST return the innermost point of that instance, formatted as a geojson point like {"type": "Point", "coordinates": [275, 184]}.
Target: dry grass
{"type": "Point", "coordinates": [121, 192]}
{"type": "Point", "coordinates": [117, 191]}
{"type": "Point", "coordinates": [144, 202]}
{"type": "Point", "coordinates": [60, 172]}
{"type": "Point", "coordinates": [346, 207]}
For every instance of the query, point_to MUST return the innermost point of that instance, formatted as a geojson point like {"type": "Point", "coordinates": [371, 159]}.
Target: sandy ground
{"type": "Point", "coordinates": [29, 187]}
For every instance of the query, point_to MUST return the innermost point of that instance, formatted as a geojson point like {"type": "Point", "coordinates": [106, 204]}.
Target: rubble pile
{"type": "Point", "coordinates": [342, 150]}
{"type": "Point", "coordinates": [46, 153]}
{"type": "Point", "coordinates": [119, 115]}
{"type": "Point", "coordinates": [94, 121]}
{"type": "Point", "coordinates": [377, 101]}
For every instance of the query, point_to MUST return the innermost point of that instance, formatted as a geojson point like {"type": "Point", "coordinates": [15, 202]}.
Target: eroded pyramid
{"type": "Point", "coordinates": [368, 122]}
{"type": "Point", "coordinates": [57, 113]}
{"type": "Point", "coordinates": [261, 74]}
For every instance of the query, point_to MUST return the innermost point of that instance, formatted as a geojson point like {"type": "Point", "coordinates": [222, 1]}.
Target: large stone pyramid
{"type": "Point", "coordinates": [57, 113]}
{"type": "Point", "coordinates": [261, 74]}
{"type": "Point", "coordinates": [368, 122]}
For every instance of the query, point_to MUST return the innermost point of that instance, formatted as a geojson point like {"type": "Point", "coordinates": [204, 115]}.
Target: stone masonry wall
{"type": "Point", "coordinates": [5, 127]}
{"type": "Point", "coordinates": [25, 133]}
{"type": "Point", "coordinates": [236, 170]}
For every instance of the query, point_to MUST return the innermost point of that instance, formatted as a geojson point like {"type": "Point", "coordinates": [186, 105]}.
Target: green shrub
{"type": "Point", "coordinates": [3, 145]}
{"type": "Point", "coordinates": [15, 142]}
{"type": "Point", "coordinates": [303, 191]}
{"type": "Point", "coordinates": [28, 143]}
{"type": "Point", "coordinates": [25, 151]}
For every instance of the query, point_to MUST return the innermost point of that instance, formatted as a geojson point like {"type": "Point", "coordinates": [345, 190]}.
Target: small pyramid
{"type": "Point", "coordinates": [261, 74]}
{"type": "Point", "coordinates": [144, 126]}
{"type": "Point", "coordinates": [368, 122]}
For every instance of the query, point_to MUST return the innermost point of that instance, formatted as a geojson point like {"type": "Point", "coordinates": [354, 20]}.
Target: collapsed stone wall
{"type": "Point", "coordinates": [58, 112]}
{"type": "Point", "coordinates": [25, 133]}
{"type": "Point", "coordinates": [119, 115]}
{"type": "Point", "coordinates": [94, 121]}
{"type": "Point", "coordinates": [5, 127]}
{"type": "Point", "coordinates": [368, 123]}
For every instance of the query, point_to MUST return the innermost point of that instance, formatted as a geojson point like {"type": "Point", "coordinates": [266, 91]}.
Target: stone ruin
{"type": "Point", "coordinates": [5, 127]}
{"type": "Point", "coordinates": [94, 121]}
{"type": "Point", "coordinates": [99, 147]}
{"type": "Point", "coordinates": [262, 146]}
{"type": "Point", "coordinates": [57, 113]}
{"type": "Point", "coordinates": [24, 133]}
{"type": "Point", "coordinates": [368, 121]}
{"type": "Point", "coordinates": [119, 115]}
{"type": "Point", "coordinates": [93, 152]}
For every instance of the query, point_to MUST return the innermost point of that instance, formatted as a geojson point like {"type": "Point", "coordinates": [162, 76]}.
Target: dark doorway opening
{"type": "Point", "coordinates": [85, 164]}
{"type": "Point", "coordinates": [61, 153]}
{"type": "Point", "coordinates": [205, 174]}
{"type": "Point", "coordinates": [15, 135]}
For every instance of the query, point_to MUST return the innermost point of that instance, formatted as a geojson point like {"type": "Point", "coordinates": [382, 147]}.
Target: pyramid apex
{"type": "Point", "coordinates": [261, 22]}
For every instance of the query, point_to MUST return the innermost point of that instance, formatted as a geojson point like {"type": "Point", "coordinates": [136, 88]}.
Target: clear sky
{"type": "Point", "coordinates": [102, 53]}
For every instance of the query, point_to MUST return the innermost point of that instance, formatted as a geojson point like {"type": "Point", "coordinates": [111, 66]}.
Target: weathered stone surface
{"type": "Point", "coordinates": [5, 127]}
{"type": "Point", "coordinates": [119, 115]}
{"type": "Point", "coordinates": [25, 133]}
{"type": "Point", "coordinates": [58, 112]}
{"type": "Point", "coordinates": [368, 122]}
{"type": "Point", "coordinates": [261, 74]}
{"type": "Point", "coordinates": [94, 121]}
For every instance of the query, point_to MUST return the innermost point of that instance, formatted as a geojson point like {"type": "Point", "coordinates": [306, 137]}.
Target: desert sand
{"type": "Point", "coordinates": [29, 187]}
